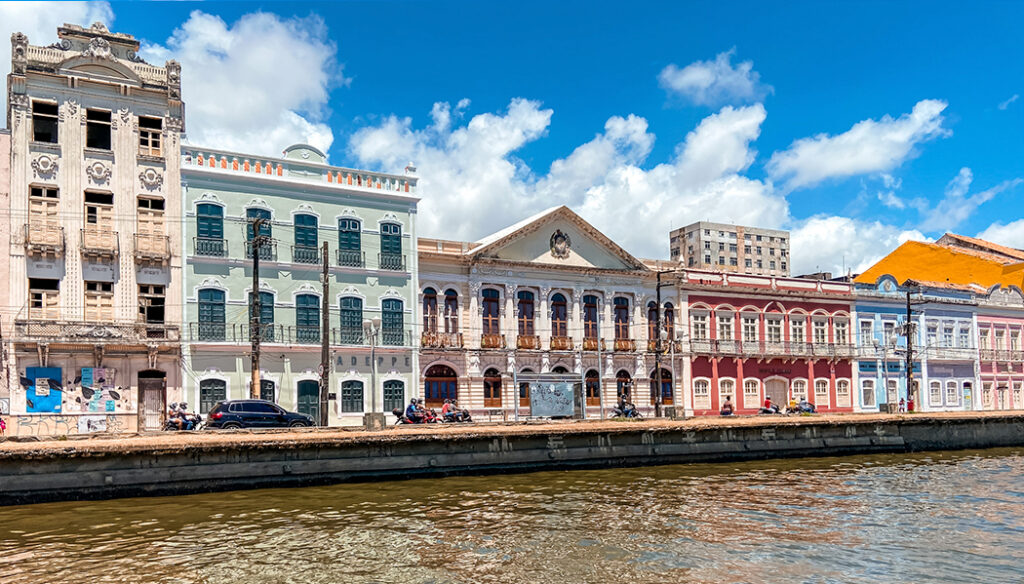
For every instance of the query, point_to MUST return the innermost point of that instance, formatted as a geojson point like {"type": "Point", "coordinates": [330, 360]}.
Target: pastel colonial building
{"type": "Point", "coordinates": [368, 221]}
{"type": "Point", "coordinates": [550, 295]}
{"type": "Point", "coordinates": [94, 269]}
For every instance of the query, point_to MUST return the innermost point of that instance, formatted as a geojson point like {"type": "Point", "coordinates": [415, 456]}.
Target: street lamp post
{"type": "Point", "coordinates": [373, 420]}
{"type": "Point", "coordinates": [658, 347]}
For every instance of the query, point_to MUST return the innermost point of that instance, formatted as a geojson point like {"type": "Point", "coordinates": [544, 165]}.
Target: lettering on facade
{"type": "Point", "coordinates": [774, 370]}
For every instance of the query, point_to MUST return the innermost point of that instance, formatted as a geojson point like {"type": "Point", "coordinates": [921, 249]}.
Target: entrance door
{"type": "Point", "coordinates": [152, 386]}
{"type": "Point", "coordinates": [309, 399]}
{"type": "Point", "coordinates": [776, 390]}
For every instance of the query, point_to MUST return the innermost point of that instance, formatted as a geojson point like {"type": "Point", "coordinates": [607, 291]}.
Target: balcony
{"type": "Point", "coordinates": [625, 345]}
{"type": "Point", "coordinates": [94, 333]}
{"type": "Point", "coordinates": [267, 250]}
{"type": "Point", "coordinates": [436, 340]}
{"type": "Point", "coordinates": [391, 261]}
{"type": "Point", "coordinates": [395, 338]}
{"type": "Point", "coordinates": [948, 353]}
{"type": "Point", "coordinates": [349, 336]}
{"type": "Point", "coordinates": [351, 258]}
{"type": "Point", "coordinates": [762, 349]}
{"type": "Point", "coordinates": [43, 238]}
{"type": "Point", "coordinates": [99, 242]}
{"type": "Point", "coordinates": [527, 342]}
{"type": "Point", "coordinates": [1002, 355]}
{"type": "Point", "coordinates": [210, 246]}
{"type": "Point", "coordinates": [561, 344]}
{"type": "Point", "coordinates": [152, 248]}
{"type": "Point", "coordinates": [492, 341]}
{"type": "Point", "coordinates": [593, 344]}
{"type": "Point", "coordinates": [303, 254]}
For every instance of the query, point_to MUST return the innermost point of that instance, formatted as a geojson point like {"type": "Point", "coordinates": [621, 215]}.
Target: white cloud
{"type": "Point", "coordinates": [1006, 104]}
{"type": "Point", "coordinates": [258, 85]}
{"type": "Point", "coordinates": [715, 82]}
{"type": "Point", "coordinates": [870, 146]}
{"type": "Point", "coordinates": [1010, 234]}
{"type": "Point", "coordinates": [830, 243]}
{"type": "Point", "coordinates": [39, 21]}
{"type": "Point", "coordinates": [956, 206]}
{"type": "Point", "coordinates": [472, 184]}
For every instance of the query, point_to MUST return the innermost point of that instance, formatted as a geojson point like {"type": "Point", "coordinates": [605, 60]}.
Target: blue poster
{"type": "Point", "coordinates": [43, 394]}
{"type": "Point", "coordinates": [87, 377]}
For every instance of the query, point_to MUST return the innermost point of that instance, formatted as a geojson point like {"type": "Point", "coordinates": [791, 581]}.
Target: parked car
{"type": "Point", "coordinates": [254, 413]}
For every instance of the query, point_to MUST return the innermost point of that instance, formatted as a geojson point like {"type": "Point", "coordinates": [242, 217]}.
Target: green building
{"type": "Point", "coordinates": [368, 221]}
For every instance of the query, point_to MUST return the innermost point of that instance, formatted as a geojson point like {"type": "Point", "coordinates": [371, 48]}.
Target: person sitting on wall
{"type": "Point", "coordinates": [413, 413]}
{"type": "Point", "coordinates": [3, 426]}
{"type": "Point", "coordinates": [727, 407]}
{"type": "Point", "coordinates": [806, 406]}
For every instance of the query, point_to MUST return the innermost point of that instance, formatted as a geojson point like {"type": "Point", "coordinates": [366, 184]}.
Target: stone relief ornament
{"type": "Point", "coordinates": [99, 48]}
{"type": "Point", "coordinates": [151, 179]}
{"type": "Point", "coordinates": [45, 166]}
{"type": "Point", "coordinates": [123, 112]}
{"type": "Point", "coordinates": [560, 244]}
{"type": "Point", "coordinates": [98, 172]}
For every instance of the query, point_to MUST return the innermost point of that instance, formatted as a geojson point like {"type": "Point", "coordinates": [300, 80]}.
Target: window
{"type": "Point", "coordinates": [820, 330]}
{"type": "Point", "coordinates": [721, 260]}
{"type": "Point", "coordinates": [266, 314]}
{"type": "Point", "coordinates": [211, 391]}
{"type": "Point", "coordinates": [307, 318]}
{"type": "Point", "coordinates": [149, 135]}
{"type": "Point", "coordinates": [590, 317]}
{"type": "Point", "coordinates": [771, 251]}
{"type": "Point", "coordinates": [97, 129]}
{"type": "Point", "coordinates": [44, 122]}
{"type": "Point", "coordinates": [268, 392]}
{"type": "Point", "coordinates": [652, 321]}
{"type": "Point", "coordinates": [821, 392]}
{"type": "Point", "coordinates": [210, 230]}
{"type": "Point", "coordinates": [593, 385]}
{"type": "Point", "coordinates": [351, 397]}
{"type": "Point", "coordinates": [699, 326]}
{"type": "Point", "coordinates": [797, 330]}
{"type": "Point", "coordinates": [491, 311]}
{"type": "Point", "coordinates": [759, 239]}
{"type": "Point", "coordinates": [868, 393]}
{"type": "Point", "coordinates": [392, 322]}
{"type": "Point", "coordinates": [306, 243]}
{"type": "Point", "coordinates": [773, 328]}
{"type": "Point", "coordinates": [751, 395]}
{"type": "Point", "coordinates": [429, 310]}
{"type": "Point", "coordinates": [760, 264]}
{"type": "Point", "coordinates": [351, 330]}
{"type": "Point", "coordinates": [559, 316]}
{"type": "Point", "coordinates": [1000, 340]}
{"type": "Point", "coordinates": [783, 267]}
{"type": "Point", "coordinates": [842, 392]}
{"type": "Point", "coordinates": [952, 393]}
{"type": "Point", "coordinates": [759, 250]}
{"type": "Point", "coordinates": [721, 246]}
{"type": "Point", "coordinates": [99, 210]}
{"type": "Point", "coordinates": [1017, 388]}
{"type": "Point", "coordinates": [725, 328]}
{"type": "Point", "coordinates": [726, 390]}
{"type": "Point", "coordinates": [394, 395]}
{"type": "Point", "coordinates": [492, 388]}
{"type": "Point", "coordinates": [771, 265]}
{"type": "Point", "coordinates": [621, 317]}
{"type": "Point", "coordinates": [99, 301]}
{"type": "Point", "coordinates": [707, 245]}
{"type": "Point", "coordinates": [391, 247]}
{"type": "Point", "coordinates": [748, 263]}
{"type": "Point", "coordinates": [799, 389]}
{"type": "Point", "coordinates": [867, 333]}
{"type": "Point", "coordinates": [251, 215]}
{"type": "Point", "coordinates": [841, 330]}
{"type": "Point", "coordinates": [440, 383]}
{"type": "Point", "coordinates": [947, 336]}
{"type": "Point", "coordinates": [889, 331]}
{"type": "Point", "coordinates": [965, 337]}
{"type": "Point", "coordinates": [623, 384]}
{"type": "Point", "coordinates": [349, 245]}
{"type": "Point", "coordinates": [932, 335]}
{"type": "Point", "coordinates": [211, 315]}
{"type": "Point", "coordinates": [733, 262]}
{"type": "Point", "coordinates": [525, 313]}
{"type": "Point", "coordinates": [150, 219]}
{"type": "Point", "coordinates": [44, 225]}
{"type": "Point", "coordinates": [1014, 340]}
{"type": "Point", "coordinates": [702, 394]}
{"type": "Point", "coordinates": [983, 338]}
{"type": "Point", "coordinates": [732, 248]}
{"type": "Point", "coordinates": [669, 320]}
{"type": "Point", "coordinates": [666, 387]}
{"type": "Point", "coordinates": [746, 249]}
{"type": "Point", "coordinates": [451, 311]}
{"type": "Point", "coordinates": [749, 329]}
{"type": "Point", "coordinates": [935, 393]}
{"type": "Point", "coordinates": [152, 300]}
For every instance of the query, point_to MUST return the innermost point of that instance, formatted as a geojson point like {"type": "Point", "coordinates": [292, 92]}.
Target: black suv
{"type": "Point", "coordinates": [254, 413]}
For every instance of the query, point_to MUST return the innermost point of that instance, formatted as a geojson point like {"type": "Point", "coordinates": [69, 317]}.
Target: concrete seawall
{"type": "Point", "coordinates": [171, 464]}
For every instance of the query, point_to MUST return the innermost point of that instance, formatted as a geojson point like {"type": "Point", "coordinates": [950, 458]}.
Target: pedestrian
{"type": "Point", "coordinates": [903, 406]}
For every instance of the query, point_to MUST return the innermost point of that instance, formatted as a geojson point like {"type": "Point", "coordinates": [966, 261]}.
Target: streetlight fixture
{"type": "Point", "coordinates": [373, 420]}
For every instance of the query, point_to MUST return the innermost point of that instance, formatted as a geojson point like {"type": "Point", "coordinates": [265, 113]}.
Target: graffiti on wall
{"type": "Point", "coordinates": [95, 391]}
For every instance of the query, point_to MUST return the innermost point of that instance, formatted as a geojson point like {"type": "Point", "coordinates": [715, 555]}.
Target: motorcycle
{"type": "Point", "coordinates": [429, 417]}
{"type": "Point", "coordinates": [192, 422]}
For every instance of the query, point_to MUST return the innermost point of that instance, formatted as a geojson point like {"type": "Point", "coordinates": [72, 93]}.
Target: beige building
{"type": "Point", "coordinates": [94, 207]}
{"type": "Point", "coordinates": [722, 247]}
{"type": "Point", "coordinates": [549, 295]}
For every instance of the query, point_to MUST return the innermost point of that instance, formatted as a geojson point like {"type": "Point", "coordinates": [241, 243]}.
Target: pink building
{"type": "Point", "coordinates": [1001, 363]}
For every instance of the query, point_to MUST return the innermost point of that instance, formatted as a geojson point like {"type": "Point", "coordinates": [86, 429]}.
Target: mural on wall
{"type": "Point", "coordinates": [95, 391]}
{"type": "Point", "coordinates": [43, 389]}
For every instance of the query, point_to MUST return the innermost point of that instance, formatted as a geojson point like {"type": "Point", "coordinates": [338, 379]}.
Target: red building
{"type": "Point", "coordinates": [753, 337]}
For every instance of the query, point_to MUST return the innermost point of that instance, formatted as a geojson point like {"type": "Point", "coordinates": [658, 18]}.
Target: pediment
{"type": "Point", "coordinates": [557, 237]}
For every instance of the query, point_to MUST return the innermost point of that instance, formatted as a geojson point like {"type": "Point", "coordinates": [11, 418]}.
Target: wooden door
{"type": "Point", "coordinates": [151, 225]}
{"type": "Point", "coordinates": [776, 389]}
{"type": "Point", "coordinates": [44, 226]}
{"type": "Point", "coordinates": [151, 403]}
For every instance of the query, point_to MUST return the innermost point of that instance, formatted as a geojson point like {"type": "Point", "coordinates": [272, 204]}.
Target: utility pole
{"type": "Point", "coordinates": [325, 348]}
{"type": "Point", "coordinates": [254, 318]}
{"type": "Point", "coordinates": [910, 350]}
{"type": "Point", "coordinates": [657, 347]}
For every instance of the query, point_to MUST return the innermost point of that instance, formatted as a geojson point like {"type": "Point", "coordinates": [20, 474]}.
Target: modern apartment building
{"type": "Point", "coordinates": [368, 221]}
{"type": "Point", "coordinates": [94, 272]}
{"type": "Point", "coordinates": [731, 248]}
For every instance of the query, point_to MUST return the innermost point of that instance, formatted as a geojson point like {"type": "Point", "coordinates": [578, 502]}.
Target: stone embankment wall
{"type": "Point", "coordinates": [172, 464]}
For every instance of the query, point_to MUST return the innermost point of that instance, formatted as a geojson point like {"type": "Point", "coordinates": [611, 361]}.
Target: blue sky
{"type": "Point", "coordinates": [857, 125]}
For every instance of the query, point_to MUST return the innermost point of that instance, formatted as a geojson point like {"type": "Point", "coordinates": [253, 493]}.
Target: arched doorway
{"type": "Point", "coordinates": [440, 383]}
{"type": "Point", "coordinates": [623, 384]}
{"type": "Point", "coordinates": [593, 384]}
{"type": "Point", "coordinates": [776, 390]}
{"type": "Point", "coordinates": [309, 399]}
{"type": "Point", "coordinates": [524, 389]}
{"type": "Point", "coordinates": [492, 388]}
{"type": "Point", "coordinates": [152, 384]}
{"type": "Point", "coordinates": [666, 387]}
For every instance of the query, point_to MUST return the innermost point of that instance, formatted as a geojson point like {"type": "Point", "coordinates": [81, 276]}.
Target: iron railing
{"type": "Point", "coordinates": [304, 254]}
{"type": "Point", "coordinates": [771, 349]}
{"type": "Point", "coordinates": [1002, 355]}
{"type": "Point", "coordinates": [268, 250]}
{"type": "Point", "coordinates": [351, 258]}
{"type": "Point", "coordinates": [293, 335]}
{"type": "Point", "coordinates": [210, 246]}
{"type": "Point", "coordinates": [391, 261]}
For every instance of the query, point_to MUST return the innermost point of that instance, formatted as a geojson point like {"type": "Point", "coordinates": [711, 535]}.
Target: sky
{"type": "Point", "coordinates": [856, 125]}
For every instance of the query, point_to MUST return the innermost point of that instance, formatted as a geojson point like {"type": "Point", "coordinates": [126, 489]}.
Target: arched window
{"type": "Point", "coordinates": [266, 250]}
{"type": "Point", "coordinates": [843, 393]}
{"type": "Point", "coordinates": [935, 393]}
{"type": "Point", "coordinates": [307, 318]}
{"type": "Point", "coordinates": [451, 311]}
{"type": "Point", "coordinates": [799, 389]}
{"type": "Point", "coordinates": [392, 321]}
{"type": "Point", "coordinates": [652, 321]}
{"type": "Point", "coordinates": [491, 311]}
{"type": "Point", "coordinates": [669, 317]}
{"type": "Point", "coordinates": [351, 331]}
{"type": "Point", "coordinates": [590, 317]}
{"type": "Point", "coordinates": [559, 316]}
{"type": "Point", "coordinates": [751, 393]}
{"type": "Point", "coordinates": [868, 393]}
{"type": "Point", "coordinates": [394, 395]}
{"type": "Point", "coordinates": [593, 383]}
{"type": "Point", "coordinates": [211, 315]}
{"type": "Point", "coordinates": [391, 247]}
{"type": "Point", "coordinates": [492, 388]}
{"type": "Point", "coordinates": [525, 313]}
{"type": "Point", "coordinates": [726, 390]}
{"type": "Point", "coordinates": [429, 310]}
{"type": "Point", "coordinates": [666, 387]}
{"type": "Point", "coordinates": [524, 389]}
{"type": "Point", "coordinates": [211, 391]}
{"type": "Point", "coordinates": [210, 230]}
{"type": "Point", "coordinates": [349, 243]}
{"type": "Point", "coordinates": [621, 317]}
{"type": "Point", "coordinates": [623, 384]}
{"type": "Point", "coordinates": [702, 394]}
{"type": "Point", "coordinates": [266, 324]}
{"type": "Point", "coordinates": [821, 397]}
{"type": "Point", "coordinates": [308, 403]}
{"type": "Point", "coordinates": [306, 250]}
{"type": "Point", "coordinates": [440, 383]}
{"type": "Point", "coordinates": [351, 397]}
{"type": "Point", "coordinates": [560, 370]}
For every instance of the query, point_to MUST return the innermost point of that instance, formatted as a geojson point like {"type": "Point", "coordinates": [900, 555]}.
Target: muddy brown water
{"type": "Point", "coordinates": [934, 517]}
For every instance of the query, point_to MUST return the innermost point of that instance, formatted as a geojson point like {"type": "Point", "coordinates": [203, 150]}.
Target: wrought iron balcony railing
{"type": "Point", "coordinates": [268, 250]}
{"type": "Point", "coordinates": [753, 349]}
{"type": "Point", "coordinates": [210, 246]}
{"type": "Point", "coordinates": [351, 258]}
{"type": "Point", "coordinates": [304, 254]}
{"type": "Point", "coordinates": [391, 261]}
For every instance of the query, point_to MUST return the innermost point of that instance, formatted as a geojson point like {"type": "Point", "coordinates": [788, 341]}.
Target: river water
{"type": "Point", "coordinates": [934, 517]}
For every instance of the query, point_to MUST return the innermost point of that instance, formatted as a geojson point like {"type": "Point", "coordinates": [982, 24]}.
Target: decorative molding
{"type": "Point", "coordinates": [45, 166]}
{"type": "Point", "coordinates": [392, 293]}
{"type": "Point", "coordinates": [209, 197]}
{"type": "Point", "coordinates": [151, 179]}
{"type": "Point", "coordinates": [348, 213]}
{"type": "Point", "coordinates": [560, 244]}
{"type": "Point", "coordinates": [98, 48]}
{"type": "Point", "coordinates": [125, 115]}
{"type": "Point", "coordinates": [98, 172]}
